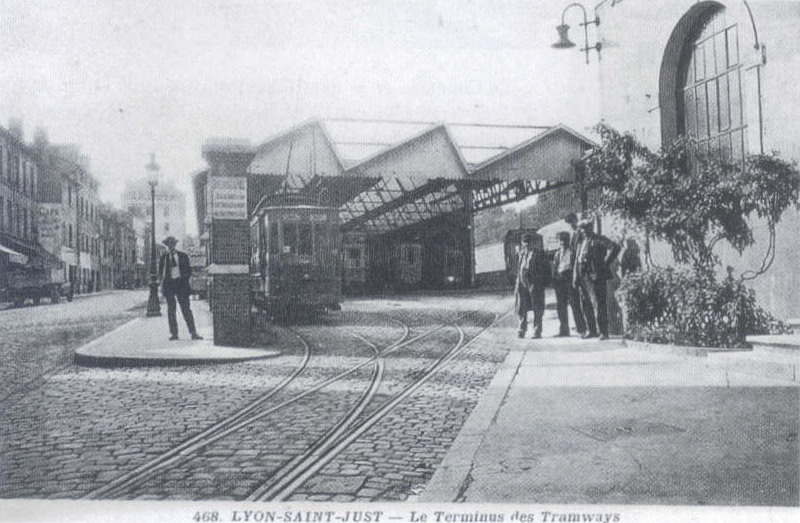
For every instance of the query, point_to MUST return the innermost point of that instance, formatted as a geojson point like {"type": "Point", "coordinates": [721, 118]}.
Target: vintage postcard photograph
{"type": "Point", "coordinates": [418, 261]}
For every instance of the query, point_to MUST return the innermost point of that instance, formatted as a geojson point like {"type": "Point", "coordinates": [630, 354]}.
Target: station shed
{"type": "Point", "coordinates": [408, 194]}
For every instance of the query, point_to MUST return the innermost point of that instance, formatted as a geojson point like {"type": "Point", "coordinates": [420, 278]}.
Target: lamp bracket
{"type": "Point", "coordinates": [596, 21]}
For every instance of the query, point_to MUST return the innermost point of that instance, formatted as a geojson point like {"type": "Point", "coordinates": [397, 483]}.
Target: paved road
{"type": "Point", "coordinates": [66, 431]}
{"type": "Point", "coordinates": [75, 429]}
{"type": "Point", "coordinates": [38, 340]}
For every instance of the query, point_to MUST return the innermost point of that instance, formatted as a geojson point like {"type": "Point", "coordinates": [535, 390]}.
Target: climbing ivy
{"type": "Point", "coordinates": [687, 198]}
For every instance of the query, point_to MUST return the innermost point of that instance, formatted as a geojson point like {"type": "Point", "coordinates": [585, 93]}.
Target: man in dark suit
{"type": "Point", "coordinates": [174, 271]}
{"type": "Point", "coordinates": [592, 271]}
{"type": "Point", "coordinates": [563, 262]}
{"type": "Point", "coordinates": [533, 274]}
{"type": "Point", "coordinates": [573, 289]}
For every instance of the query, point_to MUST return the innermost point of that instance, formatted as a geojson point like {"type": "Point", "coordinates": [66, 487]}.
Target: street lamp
{"type": "Point", "coordinates": [563, 38]}
{"type": "Point", "coordinates": [153, 307]}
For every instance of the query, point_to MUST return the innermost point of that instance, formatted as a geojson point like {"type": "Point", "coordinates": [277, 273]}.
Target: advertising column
{"type": "Point", "coordinates": [229, 245]}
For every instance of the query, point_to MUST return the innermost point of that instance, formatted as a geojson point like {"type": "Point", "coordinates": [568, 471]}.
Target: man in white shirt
{"type": "Point", "coordinates": [574, 292]}
{"type": "Point", "coordinates": [174, 271]}
{"type": "Point", "coordinates": [562, 281]}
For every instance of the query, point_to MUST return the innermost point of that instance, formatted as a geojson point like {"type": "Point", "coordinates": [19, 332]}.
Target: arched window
{"type": "Point", "coordinates": [712, 93]}
{"type": "Point", "coordinates": [703, 84]}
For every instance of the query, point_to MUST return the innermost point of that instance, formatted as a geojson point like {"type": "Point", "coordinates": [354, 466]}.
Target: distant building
{"type": "Point", "coordinates": [118, 249]}
{"type": "Point", "coordinates": [69, 213]}
{"type": "Point", "coordinates": [170, 207]}
{"type": "Point", "coordinates": [19, 209]}
{"type": "Point", "coordinates": [19, 179]}
{"type": "Point", "coordinates": [141, 231]}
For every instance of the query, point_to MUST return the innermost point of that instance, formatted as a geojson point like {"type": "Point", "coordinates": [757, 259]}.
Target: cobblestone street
{"type": "Point", "coordinates": [37, 341]}
{"type": "Point", "coordinates": [368, 404]}
{"type": "Point", "coordinates": [67, 430]}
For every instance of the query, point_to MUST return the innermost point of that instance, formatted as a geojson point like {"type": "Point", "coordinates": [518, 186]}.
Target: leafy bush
{"type": "Point", "coordinates": [690, 307]}
{"type": "Point", "coordinates": [691, 199]}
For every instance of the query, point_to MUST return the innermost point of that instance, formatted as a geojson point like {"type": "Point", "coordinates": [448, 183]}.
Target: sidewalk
{"type": "Point", "coordinates": [574, 421]}
{"type": "Point", "coordinates": [145, 342]}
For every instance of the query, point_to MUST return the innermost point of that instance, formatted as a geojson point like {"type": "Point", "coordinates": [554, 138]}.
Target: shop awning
{"type": "Point", "coordinates": [14, 256]}
{"type": "Point", "coordinates": [35, 255]}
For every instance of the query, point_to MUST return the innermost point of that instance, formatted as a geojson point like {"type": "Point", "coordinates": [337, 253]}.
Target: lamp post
{"type": "Point", "coordinates": [563, 38]}
{"type": "Point", "coordinates": [153, 307]}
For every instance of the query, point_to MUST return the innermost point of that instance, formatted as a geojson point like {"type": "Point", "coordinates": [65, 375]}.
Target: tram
{"type": "Point", "coordinates": [407, 264]}
{"type": "Point", "coordinates": [454, 267]}
{"type": "Point", "coordinates": [295, 261]}
{"type": "Point", "coordinates": [354, 263]}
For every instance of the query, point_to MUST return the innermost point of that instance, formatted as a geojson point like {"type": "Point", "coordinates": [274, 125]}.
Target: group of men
{"type": "Point", "coordinates": [579, 274]}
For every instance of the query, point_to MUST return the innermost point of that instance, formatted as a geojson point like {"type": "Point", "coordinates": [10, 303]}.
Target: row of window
{"type": "Point", "coordinates": [91, 245]}
{"type": "Point", "coordinates": [18, 172]}
{"type": "Point", "coordinates": [19, 221]}
{"type": "Point", "coordinates": [86, 209]}
{"type": "Point", "coordinates": [298, 238]}
{"type": "Point", "coordinates": [16, 219]}
{"type": "Point", "coordinates": [97, 246]}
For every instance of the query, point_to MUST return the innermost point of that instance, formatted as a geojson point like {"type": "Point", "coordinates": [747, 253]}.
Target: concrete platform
{"type": "Point", "coordinates": [145, 342]}
{"type": "Point", "coordinates": [788, 341]}
{"type": "Point", "coordinates": [572, 421]}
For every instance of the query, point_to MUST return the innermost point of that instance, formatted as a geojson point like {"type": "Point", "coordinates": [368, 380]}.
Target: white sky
{"type": "Point", "coordinates": [124, 78]}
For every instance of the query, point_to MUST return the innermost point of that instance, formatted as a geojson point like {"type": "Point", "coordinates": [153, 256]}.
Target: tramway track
{"type": "Point", "coordinates": [236, 421]}
{"type": "Point", "coordinates": [287, 473]}
{"type": "Point", "coordinates": [221, 428]}
{"type": "Point", "coordinates": [250, 414]}
{"type": "Point", "coordinates": [299, 471]}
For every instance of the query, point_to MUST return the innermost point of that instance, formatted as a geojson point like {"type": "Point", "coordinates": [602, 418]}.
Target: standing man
{"type": "Point", "coordinates": [572, 287]}
{"type": "Point", "coordinates": [563, 262]}
{"type": "Point", "coordinates": [533, 274]}
{"type": "Point", "coordinates": [592, 271]}
{"type": "Point", "coordinates": [174, 270]}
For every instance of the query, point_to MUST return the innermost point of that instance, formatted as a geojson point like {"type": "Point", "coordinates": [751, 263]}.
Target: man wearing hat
{"type": "Point", "coordinates": [592, 272]}
{"type": "Point", "coordinates": [533, 274]}
{"type": "Point", "coordinates": [174, 271]}
{"type": "Point", "coordinates": [573, 289]}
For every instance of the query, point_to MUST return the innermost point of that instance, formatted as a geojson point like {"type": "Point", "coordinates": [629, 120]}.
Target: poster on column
{"type": "Point", "coordinates": [228, 197]}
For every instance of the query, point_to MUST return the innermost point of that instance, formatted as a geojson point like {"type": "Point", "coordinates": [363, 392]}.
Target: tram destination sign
{"type": "Point", "coordinates": [228, 197]}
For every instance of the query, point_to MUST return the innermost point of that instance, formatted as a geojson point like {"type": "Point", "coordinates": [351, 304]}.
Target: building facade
{"type": "Point", "coordinates": [724, 73]}
{"type": "Point", "coordinates": [118, 254]}
{"type": "Point", "coordinates": [19, 183]}
{"type": "Point", "coordinates": [170, 207]}
{"type": "Point", "coordinates": [70, 213]}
